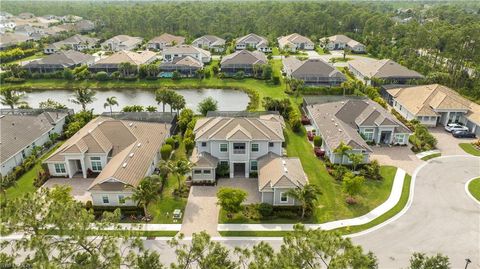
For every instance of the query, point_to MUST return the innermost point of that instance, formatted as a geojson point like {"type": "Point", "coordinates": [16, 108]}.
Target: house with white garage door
{"type": "Point", "coordinates": [250, 145]}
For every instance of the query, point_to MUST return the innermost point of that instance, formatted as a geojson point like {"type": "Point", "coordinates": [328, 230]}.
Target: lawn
{"type": "Point", "coordinates": [474, 188]}
{"type": "Point", "coordinates": [431, 156]}
{"type": "Point", "coordinates": [320, 51]}
{"type": "Point", "coordinates": [32, 57]}
{"type": "Point", "coordinates": [470, 149]}
{"type": "Point", "coordinates": [25, 183]}
{"type": "Point", "coordinates": [168, 202]}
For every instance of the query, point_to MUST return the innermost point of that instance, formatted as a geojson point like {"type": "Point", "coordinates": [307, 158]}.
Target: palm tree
{"type": "Point", "coordinates": [125, 68]}
{"type": "Point", "coordinates": [182, 167]}
{"type": "Point", "coordinates": [306, 196]}
{"type": "Point", "coordinates": [145, 193]}
{"type": "Point", "coordinates": [178, 103]}
{"type": "Point", "coordinates": [343, 149]}
{"type": "Point", "coordinates": [111, 101]}
{"type": "Point", "coordinates": [12, 98]}
{"type": "Point", "coordinates": [83, 97]}
{"type": "Point", "coordinates": [163, 96]}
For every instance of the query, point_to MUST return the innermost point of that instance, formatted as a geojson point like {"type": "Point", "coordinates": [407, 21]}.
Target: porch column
{"type": "Point", "coordinates": [231, 169]}
{"type": "Point", "coordinates": [247, 169]}
{"type": "Point", "coordinates": [69, 169]}
{"type": "Point", "coordinates": [84, 169]}
{"type": "Point", "coordinates": [447, 118]}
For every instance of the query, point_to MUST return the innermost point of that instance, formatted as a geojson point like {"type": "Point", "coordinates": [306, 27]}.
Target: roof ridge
{"type": "Point", "coordinates": [219, 129]}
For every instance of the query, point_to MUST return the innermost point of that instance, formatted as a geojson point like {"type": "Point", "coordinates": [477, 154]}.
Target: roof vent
{"type": "Point", "coordinates": [131, 155]}
{"type": "Point", "coordinates": [139, 144]}
{"type": "Point", "coordinates": [89, 131]}
{"type": "Point", "coordinates": [284, 163]}
{"type": "Point", "coordinates": [336, 124]}
{"type": "Point", "coordinates": [130, 124]}
{"type": "Point", "coordinates": [333, 119]}
{"type": "Point", "coordinates": [124, 165]}
{"type": "Point", "coordinates": [340, 130]}
{"type": "Point", "coordinates": [285, 169]}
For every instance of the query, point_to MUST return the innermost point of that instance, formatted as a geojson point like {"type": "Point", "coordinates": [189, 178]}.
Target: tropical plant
{"type": "Point", "coordinates": [145, 193]}
{"type": "Point", "coordinates": [163, 96]}
{"type": "Point", "coordinates": [166, 151]}
{"type": "Point", "coordinates": [356, 159]}
{"type": "Point", "coordinates": [422, 261]}
{"type": "Point", "coordinates": [231, 200]}
{"type": "Point", "coordinates": [109, 102]}
{"type": "Point", "coordinates": [352, 184]}
{"type": "Point", "coordinates": [306, 195]}
{"type": "Point", "coordinates": [83, 97]}
{"type": "Point", "coordinates": [151, 109]}
{"type": "Point", "coordinates": [206, 105]}
{"type": "Point", "coordinates": [10, 97]}
{"type": "Point", "coordinates": [51, 104]}
{"type": "Point", "coordinates": [342, 149]}
{"type": "Point", "coordinates": [185, 117]}
{"type": "Point", "coordinates": [177, 103]}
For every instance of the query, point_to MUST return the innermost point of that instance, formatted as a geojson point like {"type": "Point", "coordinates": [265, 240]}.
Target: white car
{"type": "Point", "coordinates": [452, 127]}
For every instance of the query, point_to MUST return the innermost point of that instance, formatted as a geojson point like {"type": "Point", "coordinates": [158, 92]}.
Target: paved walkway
{"type": "Point", "coordinates": [439, 217]}
{"type": "Point", "coordinates": [378, 211]}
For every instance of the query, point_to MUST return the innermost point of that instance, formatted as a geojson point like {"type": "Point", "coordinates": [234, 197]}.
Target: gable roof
{"type": "Point", "coordinates": [316, 67]}
{"type": "Point", "coordinates": [75, 39]}
{"type": "Point", "coordinates": [186, 49]}
{"type": "Point", "coordinates": [10, 39]}
{"type": "Point", "coordinates": [292, 39]}
{"type": "Point", "coordinates": [342, 39]}
{"type": "Point", "coordinates": [64, 58]}
{"type": "Point", "coordinates": [125, 40]}
{"type": "Point", "coordinates": [213, 40]}
{"type": "Point", "coordinates": [21, 130]}
{"type": "Point", "coordinates": [245, 57]}
{"type": "Point", "coordinates": [252, 38]}
{"type": "Point", "coordinates": [238, 128]}
{"type": "Point", "coordinates": [280, 172]}
{"type": "Point", "coordinates": [123, 56]}
{"type": "Point", "coordinates": [168, 39]}
{"type": "Point", "coordinates": [425, 99]}
{"type": "Point", "coordinates": [187, 61]}
{"type": "Point", "coordinates": [133, 146]}
{"type": "Point", "coordinates": [385, 68]}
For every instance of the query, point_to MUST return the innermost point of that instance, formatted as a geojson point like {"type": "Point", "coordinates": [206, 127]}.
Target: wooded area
{"type": "Point", "coordinates": [447, 35]}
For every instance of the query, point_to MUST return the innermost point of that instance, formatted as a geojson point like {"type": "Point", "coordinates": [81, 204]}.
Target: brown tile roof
{"type": "Point", "coordinates": [123, 56]}
{"type": "Point", "coordinates": [425, 99]}
{"type": "Point", "coordinates": [280, 172]}
{"type": "Point", "coordinates": [19, 131]}
{"type": "Point", "coordinates": [293, 38]}
{"type": "Point", "coordinates": [203, 159]}
{"type": "Point", "coordinates": [64, 58]}
{"type": "Point", "coordinates": [244, 57]}
{"type": "Point", "coordinates": [311, 67]}
{"type": "Point", "coordinates": [249, 128]}
{"type": "Point", "coordinates": [213, 40]}
{"type": "Point", "coordinates": [168, 39]}
{"type": "Point", "coordinates": [383, 69]}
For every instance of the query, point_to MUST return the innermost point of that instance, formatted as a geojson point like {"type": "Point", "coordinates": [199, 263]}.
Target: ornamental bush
{"type": "Point", "coordinates": [166, 151]}
{"type": "Point", "coordinates": [101, 76]}
{"type": "Point", "coordinates": [317, 141]}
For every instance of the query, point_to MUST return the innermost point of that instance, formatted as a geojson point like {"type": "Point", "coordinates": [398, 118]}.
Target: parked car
{"type": "Point", "coordinates": [452, 127]}
{"type": "Point", "coordinates": [463, 134]}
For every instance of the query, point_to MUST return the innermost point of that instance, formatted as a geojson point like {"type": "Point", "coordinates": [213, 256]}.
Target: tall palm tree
{"type": "Point", "coordinates": [145, 193]}
{"type": "Point", "coordinates": [83, 97]}
{"type": "Point", "coordinates": [111, 101]}
{"type": "Point", "coordinates": [342, 149]}
{"type": "Point", "coordinates": [12, 98]}
{"type": "Point", "coordinates": [182, 167]}
{"type": "Point", "coordinates": [163, 96]}
{"type": "Point", "coordinates": [307, 196]}
{"type": "Point", "coordinates": [178, 103]}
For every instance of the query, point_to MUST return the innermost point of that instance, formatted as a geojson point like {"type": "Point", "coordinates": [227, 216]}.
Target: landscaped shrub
{"type": "Point", "coordinates": [253, 174]}
{"type": "Point", "coordinates": [266, 210]}
{"type": "Point", "coordinates": [276, 80]}
{"type": "Point", "coordinates": [166, 151]}
{"type": "Point", "coordinates": [170, 141]}
{"type": "Point", "coordinates": [294, 121]}
{"type": "Point", "coordinates": [317, 141]}
{"type": "Point", "coordinates": [14, 80]}
{"type": "Point", "coordinates": [88, 205]}
{"type": "Point", "coordinates": [287, 214]}
{"type": "Point", "coordinates": [223, 170]}
{"type": "Point", "coordinates": [67, 74]}
{"type": "Point", "coordinates": [41, 178]}
{"type": "Point", "coordinates": [371, 171]}
{"type": "Point", "coordinates": [339, 172]}
{"type": "Point", "coordinates": [101, 76]}
{"type": "Point", "coordinates": [239, 75]}
{"type": "Point", "coordinates": [326, 90]}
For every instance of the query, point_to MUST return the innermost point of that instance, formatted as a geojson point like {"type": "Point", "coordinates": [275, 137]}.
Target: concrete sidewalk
{"type": "Point", "coordinates": [392, 200]}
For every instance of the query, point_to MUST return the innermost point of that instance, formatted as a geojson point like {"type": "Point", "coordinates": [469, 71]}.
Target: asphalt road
{"type": "Point", "coordinates": [441, 218]}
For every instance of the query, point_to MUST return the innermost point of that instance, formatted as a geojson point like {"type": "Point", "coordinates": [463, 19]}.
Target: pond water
{"type": "Point", "coordinates": [228, 100]}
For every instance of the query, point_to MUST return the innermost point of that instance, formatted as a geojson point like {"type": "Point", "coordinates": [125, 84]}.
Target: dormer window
{"type": "Point", "coordinates": [204, 144]}
{"type": "Point", "coordinates": [270, 144]}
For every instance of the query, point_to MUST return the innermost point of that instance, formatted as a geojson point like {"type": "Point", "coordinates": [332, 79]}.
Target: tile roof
{"type": "Point", "coordinates": [213, 40]}
{"type": "Point", "coordinates": [244, 57]}
{"type": "Point", "coordinates": [21, 130]}
{"type": "Point", "coordinates": [310, 67]}
{"type": "Point", "coordinates": [280, 172]}
{"type": "Point", "coordinates": [168, 39]}
{"type": "Point", "coordinates": [252, 38]}
{"type": "Point", "coordinates": [123, 56]}
{"type": "Point", "coordinates": [203, 159]}
{"type": "Point", "coordinates": [10, 39]}
{"type": "Point", "coordinates": [231, 128]}
{"type": "Point", "coordinates": [186, 49]}
{"type": "Point", "coordinates": [65, 58]}
{"type": "Point", "coordinates": [125, 40]}
{"type": "Point", "coordinates": [342, 39]}
{"type": "Point", "coordinates": [382, 69]}
{"type": "Point", "coordinates": [293, 38]}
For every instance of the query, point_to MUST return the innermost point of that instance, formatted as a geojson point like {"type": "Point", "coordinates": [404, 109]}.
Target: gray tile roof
{"type": "Point", "coordinates": [244, 57]}
{"type": "Point", "coordinates": [311, 67]}
{"type": "Point", "coordinates": [280, 172]}
{"type": "Point", "coordinates": [383, 69]}
{"type": "Point", "coordinates": [63, 58]}
{"type": "Point", "coordinates": [213, 40]}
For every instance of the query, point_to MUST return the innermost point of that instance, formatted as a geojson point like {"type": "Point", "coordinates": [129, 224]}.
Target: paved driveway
{"type": "Point", "coordinates": [401, 157]}
{"type": "Point", "coordinates": [441, 219]}
{"type": "Point", "coordinates": [79, 186]}
{"type": "Point", "coordinates": [250, 185]}
{"type": "Point", "coordinates": [447, 144]}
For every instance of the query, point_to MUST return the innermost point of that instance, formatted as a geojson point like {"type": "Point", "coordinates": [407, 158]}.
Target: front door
{"type": "Point", "coordinates": [385, 137]}
{"type": "Point", "coordinates": [239, 170]}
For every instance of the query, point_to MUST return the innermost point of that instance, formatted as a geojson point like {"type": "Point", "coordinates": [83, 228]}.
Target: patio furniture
{"type": "Point", "coordinates": [177, 214]}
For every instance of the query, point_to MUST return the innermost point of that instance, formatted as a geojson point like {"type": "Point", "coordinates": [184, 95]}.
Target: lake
{"type": "Point", "coordinates": [228, 100]}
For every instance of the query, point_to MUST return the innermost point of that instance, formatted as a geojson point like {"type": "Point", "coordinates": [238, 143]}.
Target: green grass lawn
{"type": "Point", "coordinates": [474, 188]}
{"type": "Point", "coordinates": [340, 59]}
{"type": "Point", "coordinates": [431, 156]}
{"type": "Point", "coordinates": [33, 57]}
{"type": "Point", "coordinates": [470, 149]}
{"type": "Point", "coordinates": [168, 202]}
{"type": "Point", "coordinates": [320, 51]}
{"type": "Point", "coordinates": [275, 51]}
{"type": "Point", "coordinates": [25, 183]}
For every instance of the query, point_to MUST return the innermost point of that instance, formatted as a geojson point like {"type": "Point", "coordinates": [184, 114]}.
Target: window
{"type": "Point", "coordinates": [223, 147]}
{"type": "Point", "coordinates": [238, 148]}
{"type": "Point", "coordinates": [283, 197]}
{"type": "Point", "coordinates": [204, 144]}
{"type": "Point", "coordinates": [254, 165]}
{"type": "Point", "coordinates": [223, 162]}
{"type": "Point", "coordinates": [121, 199]}
{"type": "Point", "coordinates": [206, 172]}
{"type": "Point", "coordinates": [254, 147]}
{"type": "Point", "coordinates": [368, 134]}
{"type": "Point", "coordinates": [105, 199]}
{"type": "Point", "coordinates": [60, 168]}
{"type": "Point", "coordinates": [197, 172]}
{"type": "Point", "coordinates": [270, 144]}
{"type": "Point", "coordinates": [96, 163]}
{"type": "Point", "coordinates": [399, 138]}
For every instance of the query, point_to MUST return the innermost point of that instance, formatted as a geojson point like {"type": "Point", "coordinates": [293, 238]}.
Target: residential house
{"type": "Point", "coordinates": [186, 66]}
{"type": "Point", "coordinates": [295, 42]}
{"type": "Point", "coordinates": [252, 41]}
{"type": "Point", "coordinates": [250, 145]}
{"type": "Point", "coordinates": [7, 26]}
{"type": "Point", "coordinates": [341, 42]}
{"type": "Point", "coordinates": [164, 41]}
{"type": "Point", "coordinates": [28, 30]}
{"type": "Point", "coordinates": [433, 105]}
{"type": "Point", "coordinates": [353, 121]}
{"type": "Point", "coordinates": [25, 129]}
{"type": "Point", "coordinates": [9, 40]}
{"type": "Point", "coordinates": [170, 53]}
{"type": "Point", "coordinates": [112, 63]}
{"type": "Point", "coordinates": [116, 153]}
{"type": "Point", "coordinates": [59, 61]}
{"type": "Point", "coordinates": [313, 72]}
{"type": "Point", "coordinates": [54, 31]}
{"type": "Point", "coordinates": [76, 42]}
{"type": "Point", "coordinates": [84, 26]}
{"type": "Point", "coordinates": [385, 70]}
{"type": "Point", "coordinates": [70, 18]}
{"type": "Point", "coordinates": [242, 60]}
{"type": "Point", "coordinates": [122, 42]}
{"type": "Point", "coordinates": [210, 42]}
{"type": "Point", "coordinates": [26, 15]}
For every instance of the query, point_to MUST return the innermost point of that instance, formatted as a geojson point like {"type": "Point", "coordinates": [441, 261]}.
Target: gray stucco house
{"type": "Point", "coordinates": [251, 146]}
{"type": "Point", "coordinates": [353, 121]}
{"type": "Point", "coordinates": [313, 72]}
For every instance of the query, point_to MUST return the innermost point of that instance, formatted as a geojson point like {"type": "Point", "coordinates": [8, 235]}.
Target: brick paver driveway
{"type": "Point", "coordinates": [201, 212]}
{"type": "Point", "coordinates": [447, 144]}
{"type": "Point", "coordinates": [79, 186]}
{"type": "Point", "coordinates": [401, 157]}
